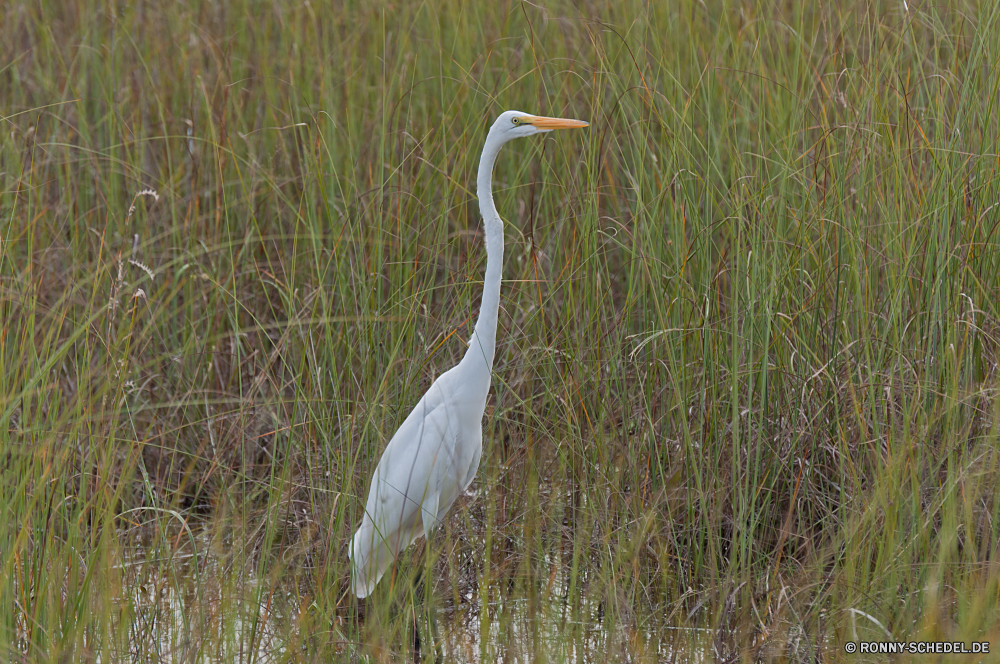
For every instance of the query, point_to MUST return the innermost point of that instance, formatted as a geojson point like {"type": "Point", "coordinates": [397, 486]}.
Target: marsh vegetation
{"type": "Point", "coordinates": [745, 403]}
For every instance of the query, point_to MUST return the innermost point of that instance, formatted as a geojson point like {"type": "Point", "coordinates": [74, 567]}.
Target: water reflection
{"type": "Point", "coordinates": [192, 607]}
{"type": "Point", "coordinates": [560, 628]}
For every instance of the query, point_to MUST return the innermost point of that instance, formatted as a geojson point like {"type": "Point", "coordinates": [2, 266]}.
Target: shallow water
{"type": "Point", "coordinates": [194, 609]}
{"type": "Point", "coordinates": [204, 603]}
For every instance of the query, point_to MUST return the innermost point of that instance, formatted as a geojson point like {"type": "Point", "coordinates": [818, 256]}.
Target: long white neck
{"type": "Point", "coordinates": [482, 346]}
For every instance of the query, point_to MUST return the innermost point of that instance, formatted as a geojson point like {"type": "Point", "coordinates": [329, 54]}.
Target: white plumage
{"type": "Point", "coordinates": [434, 455]}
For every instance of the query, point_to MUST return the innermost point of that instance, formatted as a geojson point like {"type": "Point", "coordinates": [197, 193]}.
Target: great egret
{"type": "Point", "coordinates": [434, 455]}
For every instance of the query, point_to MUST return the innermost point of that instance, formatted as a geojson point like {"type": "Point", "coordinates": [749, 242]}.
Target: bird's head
{"type": "Point", "coordinates": [514, 124]}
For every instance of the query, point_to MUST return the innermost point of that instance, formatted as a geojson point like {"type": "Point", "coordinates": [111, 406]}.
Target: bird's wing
{"type": "Point", "coordinates": [404, 499]}
{"type": "Point", "coordinates": [470, 474]}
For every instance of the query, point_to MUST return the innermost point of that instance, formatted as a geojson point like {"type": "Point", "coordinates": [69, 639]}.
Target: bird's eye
{"type": "Point", "coordinates": [515, 121]}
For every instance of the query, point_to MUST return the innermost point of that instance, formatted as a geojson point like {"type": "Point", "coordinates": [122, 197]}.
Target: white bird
{"type": "Point", "coordinates": [434, 455]}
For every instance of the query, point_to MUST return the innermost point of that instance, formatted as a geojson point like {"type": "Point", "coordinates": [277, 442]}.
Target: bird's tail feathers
{"type": "Point", "coordinates": [372, 553]}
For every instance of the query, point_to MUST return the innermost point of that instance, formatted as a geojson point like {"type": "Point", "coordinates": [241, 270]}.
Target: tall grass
{"type": "Point", "coordinates": [745, 397]}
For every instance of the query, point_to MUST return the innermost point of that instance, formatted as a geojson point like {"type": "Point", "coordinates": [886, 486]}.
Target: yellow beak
{"type": "Point", "coordinates": [554, 123]}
